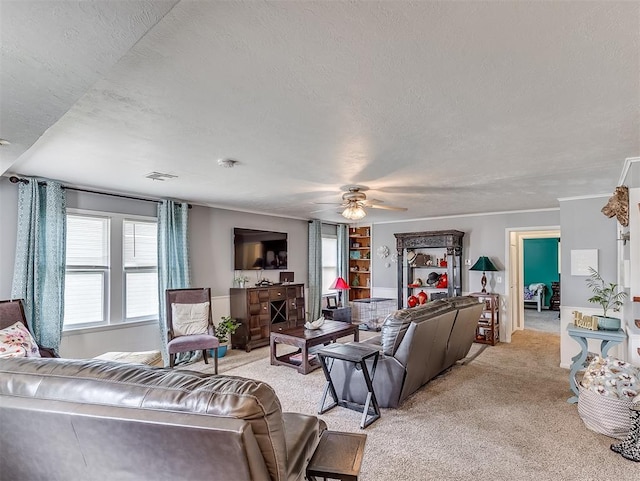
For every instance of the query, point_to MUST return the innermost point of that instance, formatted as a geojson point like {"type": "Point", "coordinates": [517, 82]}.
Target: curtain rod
{"type": "Point", "coordinates": [15, 180]}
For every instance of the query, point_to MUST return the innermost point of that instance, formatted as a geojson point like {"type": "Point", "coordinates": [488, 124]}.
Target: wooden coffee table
{"type": "Point", "coordinates": [304, 339]}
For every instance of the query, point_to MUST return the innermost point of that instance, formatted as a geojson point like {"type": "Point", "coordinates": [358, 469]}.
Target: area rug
{"type": "Point", "coordinates": [502, 415]}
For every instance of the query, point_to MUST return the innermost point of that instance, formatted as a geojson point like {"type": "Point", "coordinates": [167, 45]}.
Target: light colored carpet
{"type": "Point", "coordinates": [545, 320]}
{"type": "Point", "coordinates": [502, 416]}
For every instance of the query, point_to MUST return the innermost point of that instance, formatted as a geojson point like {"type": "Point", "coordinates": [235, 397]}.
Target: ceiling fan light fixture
{"type": "Point", "coordinates": [353, 212]}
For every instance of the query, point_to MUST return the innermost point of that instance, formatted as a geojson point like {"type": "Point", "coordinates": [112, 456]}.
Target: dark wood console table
{"type": "Point", "coordinates": [261, 310]}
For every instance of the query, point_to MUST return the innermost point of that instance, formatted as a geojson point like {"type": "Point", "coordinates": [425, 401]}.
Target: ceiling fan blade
{"type": "Point", "coordinates": [329, 203]}
{"type": "Point", "coordinates": [321, 210]}
{"type": "Point", "coordinates": [386, 207]}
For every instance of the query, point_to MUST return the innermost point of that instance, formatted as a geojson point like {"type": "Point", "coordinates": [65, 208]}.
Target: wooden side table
{"type": "Point", "coordinates": [580, 335]}
{"type": "Point", "coordinates": [357, 354]}
{"type": "Point", "coordinates": [337, 456]}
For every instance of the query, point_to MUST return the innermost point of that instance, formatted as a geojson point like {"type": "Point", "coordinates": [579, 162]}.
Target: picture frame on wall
{"type": "Point", "coordinates": [332, 302]}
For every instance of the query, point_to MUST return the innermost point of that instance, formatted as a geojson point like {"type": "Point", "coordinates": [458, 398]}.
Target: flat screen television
{"type": "Point", "coordinates": [259, 249]}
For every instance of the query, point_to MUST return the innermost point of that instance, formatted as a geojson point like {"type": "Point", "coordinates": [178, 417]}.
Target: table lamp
{"type": "Point", "coordinates": [339, 285]}
{"type": "Point", "coordinates": [483, 264]}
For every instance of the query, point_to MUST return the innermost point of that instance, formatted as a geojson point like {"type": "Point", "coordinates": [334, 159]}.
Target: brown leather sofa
{"type": "Point", "coordinates": [415, 345]}
{"type": "Point", "coordinates": [94, 420]}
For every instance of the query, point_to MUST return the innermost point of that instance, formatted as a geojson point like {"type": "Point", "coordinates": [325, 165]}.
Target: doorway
{"type": "Point", "coordinates": [521, 318]}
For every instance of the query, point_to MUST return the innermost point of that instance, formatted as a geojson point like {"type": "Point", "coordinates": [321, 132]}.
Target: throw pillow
{"type": "Point", "coordinates": [16, 341]}
{"type": "Point", "coordinates": [189, 319]}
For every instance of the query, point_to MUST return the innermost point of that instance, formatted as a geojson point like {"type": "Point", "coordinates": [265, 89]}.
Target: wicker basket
{"type": "Point", "coordinates": [604, 415]}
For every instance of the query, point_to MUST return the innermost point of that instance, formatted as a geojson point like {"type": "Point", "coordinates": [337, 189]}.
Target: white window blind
{"type": "Point", "coordinates": [86, 277]}
{"type": "Point", "coordinates": [140, 262]}
{"type": "Point", "coordinates": [329, 263]}
{"type": "Point", "coordinates": [87, 241]}
{"type": "Point", "coordinates": [140, 244]}
{"type": "Point", "coordinates": [83, 298]}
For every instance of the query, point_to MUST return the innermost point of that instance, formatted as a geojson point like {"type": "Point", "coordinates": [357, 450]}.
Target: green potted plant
{"type": "Point", "coordinates": [225, 328]}
{"type": "Point", "coordinates": [608, 296]}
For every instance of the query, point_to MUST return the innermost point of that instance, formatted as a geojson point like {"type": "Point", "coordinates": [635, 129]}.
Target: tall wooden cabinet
{"type": "Point", "coordinates": [261, 310]}
{"type": "Point", "coordinates": [359, 263]}
{"type": "Point", "coordinates": [425, 254]}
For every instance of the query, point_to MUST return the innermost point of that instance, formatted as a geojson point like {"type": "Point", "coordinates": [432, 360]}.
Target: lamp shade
{"type": "Point", "coordinates": [353, 212]}
{"type": "Point", "coordinates": [483, 264]}
{"type": "Point", "coordinates": [339, 284]}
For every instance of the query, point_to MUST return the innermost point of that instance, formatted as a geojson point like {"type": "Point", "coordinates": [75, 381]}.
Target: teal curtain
{"type": "Point", "coordinates": [315, 269]}
{"type": "Point", "coordinates": [39, 269]}
{"type": "Point", "coordinates": [173, 258]}
{"type": "Point", "coordinates": [343, 252]}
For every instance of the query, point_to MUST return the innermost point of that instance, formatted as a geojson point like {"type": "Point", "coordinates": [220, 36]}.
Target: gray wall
{"type": "Point", "coordinates": [583, 226]}
{"type": "Point", "coordinates": [8, 223]}
{"type": "Point", "coordinates": [485, 235]}
{"type": "Point", "coordinates": [211, 254]}
{"type": "Point", "coordinates": [211, 246]}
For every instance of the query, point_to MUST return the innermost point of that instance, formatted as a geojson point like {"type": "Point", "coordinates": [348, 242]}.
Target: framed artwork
{"type": "Point", "coordinates": [582, 260]}
{"type": "Point", "coordinates": [332, 302]}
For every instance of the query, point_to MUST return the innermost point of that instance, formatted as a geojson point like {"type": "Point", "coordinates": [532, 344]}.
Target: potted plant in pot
{"type": "Point", "coordinates": [225, 328]}
{"type": "Point", "coordinates": [608, 296]}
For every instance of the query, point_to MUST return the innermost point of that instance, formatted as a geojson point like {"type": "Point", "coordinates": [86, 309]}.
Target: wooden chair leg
{"type": "Point", "coordinates": [204, 354]}
{"type": "Point", "coordinates": [215, 360]}
{"type": "Point", "coordinates": [172, 360]}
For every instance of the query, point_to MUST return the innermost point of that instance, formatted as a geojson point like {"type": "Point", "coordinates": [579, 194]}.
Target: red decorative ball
{"type": "Point", "coordinates": [422, 297]}
{"type": "Point", "coordinates": [412, 301]}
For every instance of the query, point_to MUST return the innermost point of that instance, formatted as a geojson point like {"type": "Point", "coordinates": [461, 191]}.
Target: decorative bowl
{"type": "Point", "coordinates": [317, 324]}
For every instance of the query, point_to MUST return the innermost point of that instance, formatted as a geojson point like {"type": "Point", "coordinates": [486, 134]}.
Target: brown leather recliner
{"type": "Point", "coordinates": [95, 420]}
{"type": "Point", "coordinates": [12, 312]}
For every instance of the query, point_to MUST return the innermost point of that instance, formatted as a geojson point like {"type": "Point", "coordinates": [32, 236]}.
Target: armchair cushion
{"type": "Point", "coordinates": [190, 319]}
{"type": "Point", "coordinates": [16, 341]}
{"type": "Point", "coordinates": [196, 342]}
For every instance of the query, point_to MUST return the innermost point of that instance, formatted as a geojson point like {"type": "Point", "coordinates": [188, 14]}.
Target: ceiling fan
{"type": "Point", "coordinates": [355, 200]}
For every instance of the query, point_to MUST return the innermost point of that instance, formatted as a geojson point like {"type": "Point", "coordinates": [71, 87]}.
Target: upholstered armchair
{"type": "Point", "coordinates": [12, 312]}
{"type": "Point", "coordinates": [190, 324]}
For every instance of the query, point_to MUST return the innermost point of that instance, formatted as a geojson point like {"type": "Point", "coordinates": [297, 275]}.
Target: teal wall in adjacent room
{"type": "Point", "coordinates": [541, 263]}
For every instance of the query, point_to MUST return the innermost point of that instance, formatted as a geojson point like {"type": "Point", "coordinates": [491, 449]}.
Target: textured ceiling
{"type": "Point", "coordinates": [440, 107]}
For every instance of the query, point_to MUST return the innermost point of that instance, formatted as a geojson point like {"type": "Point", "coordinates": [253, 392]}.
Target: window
{"type": "Point", "coordinates": [329, 263]}
{"type": "Point", "coordinates": [140, 269]}
{"type": "Point", "coordinates": [112, 269]}
{"type": "Point", "coordinates": [87, 274]}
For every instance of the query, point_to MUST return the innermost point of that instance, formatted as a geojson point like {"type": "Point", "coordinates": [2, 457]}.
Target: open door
{"type": "Point", "coordinates": [515, 269]}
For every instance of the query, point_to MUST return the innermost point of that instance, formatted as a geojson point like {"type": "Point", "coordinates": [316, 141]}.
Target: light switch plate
{"type": "Point", "coordinates": [467, 262]}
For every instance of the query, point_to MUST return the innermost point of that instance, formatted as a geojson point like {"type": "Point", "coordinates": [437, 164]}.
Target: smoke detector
{"type": "Point", "coordinates": [227, 163]}
{"type": "Point", "coordinates": [160, 176]}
